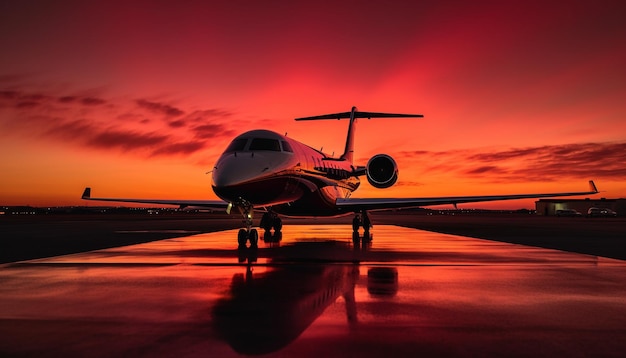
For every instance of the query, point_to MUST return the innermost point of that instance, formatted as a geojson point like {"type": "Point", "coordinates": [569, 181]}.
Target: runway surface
{"type": "Point", "coordinates": [316, 292]}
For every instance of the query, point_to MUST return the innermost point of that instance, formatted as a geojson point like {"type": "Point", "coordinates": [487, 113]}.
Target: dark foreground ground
{"type": "Point", "coordinates": [37, 236]}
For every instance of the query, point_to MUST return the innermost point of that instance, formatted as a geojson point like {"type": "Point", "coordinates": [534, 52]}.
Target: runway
{"type": "Point", "coordinates": [315, 291]}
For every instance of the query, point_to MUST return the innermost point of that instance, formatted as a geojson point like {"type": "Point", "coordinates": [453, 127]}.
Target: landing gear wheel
{"type": "Point", "coordinates": [356, 240]}
{"type": "Point", "coordinates": [367, 224]}
{"type": "Point", "coordinates": [266, 222]}
{"type": "Point", "coordinates": [254, 238]}
{"type": "Point", "coordinates": [278, 224]}
{"type": "Point", "coordinates": [356, 223]}
{"type": "Point", "coordinates": [242, 237]}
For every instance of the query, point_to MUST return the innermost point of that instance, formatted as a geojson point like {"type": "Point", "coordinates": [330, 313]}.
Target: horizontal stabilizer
{"type": "Point", "coordinates": [368, 115]}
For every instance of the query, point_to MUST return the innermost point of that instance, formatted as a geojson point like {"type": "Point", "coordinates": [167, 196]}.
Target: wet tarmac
{"type": "Point", "coordinates": [315, 291]}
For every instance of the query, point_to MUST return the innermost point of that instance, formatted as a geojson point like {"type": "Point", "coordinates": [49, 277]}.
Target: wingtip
{"type": "Point", "coordinates": [592, 186]}
{"type": "Point", "coordinates": [86, 193]}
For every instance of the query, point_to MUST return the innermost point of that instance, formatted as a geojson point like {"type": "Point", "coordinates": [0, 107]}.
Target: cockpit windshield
{"type": "Point", "coordinates": [265, 144]}
{"type": "Point", "coordinates": [286, 147]}
{"type": "Point", "coordinates": [237, 145]}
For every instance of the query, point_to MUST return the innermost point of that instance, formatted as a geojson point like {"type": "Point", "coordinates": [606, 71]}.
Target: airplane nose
{"type": "Point", "coordinates": [234, 170]}
{"type": "Point", "coordinates": [226, 173]}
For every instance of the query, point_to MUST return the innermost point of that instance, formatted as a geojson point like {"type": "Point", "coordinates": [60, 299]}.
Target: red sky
{"type": "Point", "coordinates": [138, 99]}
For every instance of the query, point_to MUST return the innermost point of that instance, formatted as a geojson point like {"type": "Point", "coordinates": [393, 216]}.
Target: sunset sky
{"type": "Point", "coordinates": [139, 98]}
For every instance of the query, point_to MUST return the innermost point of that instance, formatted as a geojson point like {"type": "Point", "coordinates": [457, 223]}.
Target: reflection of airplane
{"type": "Point", "coordinates": [265, 312]}
{"type": "Point", "coordinates": [261, 169]}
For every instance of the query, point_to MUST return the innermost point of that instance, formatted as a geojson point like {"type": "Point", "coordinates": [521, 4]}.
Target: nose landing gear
{"type": "Point", "coordinates": [247, 234]}
{"type": "Point", "coordinates": [244, 235]}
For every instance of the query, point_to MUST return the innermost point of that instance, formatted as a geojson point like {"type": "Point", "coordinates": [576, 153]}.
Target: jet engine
{"type": "Point", "coordinates": [382, 171]}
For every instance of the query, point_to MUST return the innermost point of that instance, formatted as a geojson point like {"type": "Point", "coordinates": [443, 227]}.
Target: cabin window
{"type": "Point", "coordinates": [265, 144]}
{"type": "Point", "coordinates": [286, 147]}
{"type": "Point", "coordinates": [237, 145]}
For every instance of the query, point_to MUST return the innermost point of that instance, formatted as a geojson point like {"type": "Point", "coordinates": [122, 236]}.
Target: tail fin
{"type": "Point", "coordinates": [348, 151]}
{"type": "Point", "coordinates": [354, 114]}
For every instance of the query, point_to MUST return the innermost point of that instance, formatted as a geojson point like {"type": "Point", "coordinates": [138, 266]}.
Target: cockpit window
{"type": "Point", "coordinates": [237, 145]}
{"type": "Point", "coordinates": [286, 147]}
{"type": "Point", "coordinates": [265, 144]}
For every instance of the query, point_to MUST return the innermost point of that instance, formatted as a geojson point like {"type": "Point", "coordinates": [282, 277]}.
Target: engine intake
{"type": "Point", "coordinates": [382, 171]}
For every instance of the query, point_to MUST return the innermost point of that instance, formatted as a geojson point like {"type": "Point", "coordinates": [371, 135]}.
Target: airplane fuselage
{"type": "Point", "coordinates": [264, 168]}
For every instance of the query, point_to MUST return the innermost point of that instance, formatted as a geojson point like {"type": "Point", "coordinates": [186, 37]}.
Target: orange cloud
{"type": "Point", "coordinates": [544, 163]}
{"type": "Point", "coordinates": [137, 129]}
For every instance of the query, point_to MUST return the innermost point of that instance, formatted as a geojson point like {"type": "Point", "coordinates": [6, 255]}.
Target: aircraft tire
{"type": "Point", "coordinates": [242, 237]}
{"type": "Point", "coordinates": [266, 222]}
{"type": "Point", "coordinates": [278, 224]}
{"type": "Point", "coordinates": [356, 223]}
{"type": "Point", "coordinates": [254, 238]}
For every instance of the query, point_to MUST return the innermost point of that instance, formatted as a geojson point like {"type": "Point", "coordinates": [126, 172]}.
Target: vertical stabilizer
{"type": "Point", "coordinates": [348, 151]}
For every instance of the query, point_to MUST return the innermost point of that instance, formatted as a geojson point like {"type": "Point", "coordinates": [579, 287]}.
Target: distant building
{"type": "Point", "coordinates": [549, 207]}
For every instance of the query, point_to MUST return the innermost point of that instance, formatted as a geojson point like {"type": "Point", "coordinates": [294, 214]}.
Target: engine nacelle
{"type": "Point", "coordinates": [382, 171]}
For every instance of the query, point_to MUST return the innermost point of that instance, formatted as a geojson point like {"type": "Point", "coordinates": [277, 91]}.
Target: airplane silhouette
{"type": "Point", "coordinates": [264, 170]}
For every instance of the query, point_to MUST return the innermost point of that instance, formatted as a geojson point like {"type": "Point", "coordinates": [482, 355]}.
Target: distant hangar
{"type": "Point", "coordinates": [548, 207]}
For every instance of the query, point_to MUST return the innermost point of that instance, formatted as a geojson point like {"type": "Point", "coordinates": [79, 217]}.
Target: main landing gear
{"type": "Point", "coordinates": [361, 220]}
{"type": "Point", "coordinates": [270, 220]}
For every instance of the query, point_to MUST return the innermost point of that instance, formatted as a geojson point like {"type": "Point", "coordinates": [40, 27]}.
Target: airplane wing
{"type": "Point", "coordinates": [358, 204]}
{"type": "Point", "coordinates": [214, 204]}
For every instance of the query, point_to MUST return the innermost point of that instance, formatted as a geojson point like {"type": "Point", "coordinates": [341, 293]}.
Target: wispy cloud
{"type": "Point", "coordinates": [65, 130]}
{"type": "Point", "coordinates": [160, 108]}
{"type": "Point", "coordinates": [21, 99]}
{"type": "Point", "coordinates": [137, 127]}
{"type": "Point", "coordinates": [209, 130]}
{"type": "Point", "coordinates": [408, 183]}
{"type": "Point", "coordinates": [177, 123]}
{"type": "Point", "coordinates": [126, 140]}
{"type": "Point", "coordinates": [180, 148]}
{"type": "Point", "coordinates": [487, 169]}
{"type": "Point", "coordinates": [544, 163]}
{"type": "Point", "coordinates": [92, 101]}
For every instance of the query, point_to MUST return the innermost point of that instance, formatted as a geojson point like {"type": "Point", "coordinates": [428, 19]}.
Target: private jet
{"type": "Point", "coordinates": [262, 170]}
